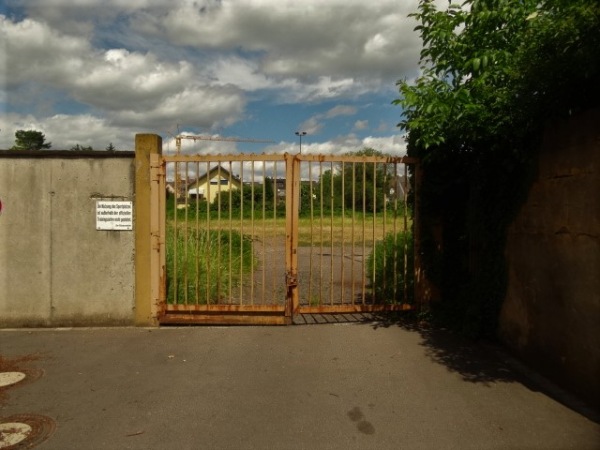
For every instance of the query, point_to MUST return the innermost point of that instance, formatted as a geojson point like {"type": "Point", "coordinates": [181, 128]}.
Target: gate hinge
{"type": "Point", "coordinates": [156, 242]}
{"type": "Point", "coordinates": [157, 171]}
{"type": "Point", "coordinates": [291, 279]}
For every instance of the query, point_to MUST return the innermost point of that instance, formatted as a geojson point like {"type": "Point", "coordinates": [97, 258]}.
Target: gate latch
{"type": "Point", "coordinates": [291, 279]}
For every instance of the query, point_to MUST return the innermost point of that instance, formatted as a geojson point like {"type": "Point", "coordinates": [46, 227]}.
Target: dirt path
{"type": "Point", "coordinates": [324, 276]}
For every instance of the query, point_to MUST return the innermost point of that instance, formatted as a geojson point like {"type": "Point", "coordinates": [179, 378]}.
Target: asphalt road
{"type": "Point", "coordinates": [347, 386]}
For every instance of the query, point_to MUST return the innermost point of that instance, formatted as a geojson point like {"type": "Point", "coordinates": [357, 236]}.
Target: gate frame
{"type": "Point", "coordinates": [151, 222]}
{"type": "Point", "coordinates": [421, 297]}
{"type": "Point", "coordinates": [206, 314]}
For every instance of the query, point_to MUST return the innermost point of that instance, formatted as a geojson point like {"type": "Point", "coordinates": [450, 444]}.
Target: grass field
{"type": "Point", "coordinates": [317, 231]}
{"type": "Point", "coordinates": [209, 256]}
{"type": "Point", "coordinates": [205, 264]}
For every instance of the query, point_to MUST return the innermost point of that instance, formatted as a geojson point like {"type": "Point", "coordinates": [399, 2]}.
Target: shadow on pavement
{"type": "Point", "coordinates": [473, 361]}
{"type": "Point", "coordinates": [479, 361]}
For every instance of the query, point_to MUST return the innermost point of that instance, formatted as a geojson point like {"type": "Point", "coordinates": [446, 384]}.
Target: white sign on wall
{"type": "Point", "coordinates": [113, 215]}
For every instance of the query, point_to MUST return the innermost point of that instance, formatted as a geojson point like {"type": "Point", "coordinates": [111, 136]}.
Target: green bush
{"type": "Point", "coordinates": [198, 266]}
{"type": "Point", "coordinates": [386, 265]}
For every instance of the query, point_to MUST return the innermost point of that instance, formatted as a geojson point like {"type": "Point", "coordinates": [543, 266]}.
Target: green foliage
{"type": "Point", "coordinates": [246, 199]}
{"type": "Point", "coordinates": [370, 184]}
{"type": "Point", "coordinates": [359, 186]}
{"type": "Point", "coordinates": [110, 148]}
{"type": "Point", "coordinates": [500, 68]}
{"type": "Point", "coordinates": [558, 61]}
{"type": "Point", "coordinates": [306, 195]}
{"type": "Point", "coordinates": [30, 140]}
{"type": "Point", "coordinates": [198, 264]}
{"type": "Point", "coordinates": [81, 148]}
{"type": "Point", "coordinates": [493, 73]}
{"type": "Point", "coordinates": [194, 207]}
{"type": "Point", "coordinates": [363, 186]}
{"type": "Point", "coordinates": [391, 269]}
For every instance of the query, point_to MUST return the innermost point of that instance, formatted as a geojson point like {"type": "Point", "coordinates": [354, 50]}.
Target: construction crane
{"type": "Point", "coordinates": [179, 137]}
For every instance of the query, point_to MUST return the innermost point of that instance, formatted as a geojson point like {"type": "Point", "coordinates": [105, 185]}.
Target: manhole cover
{"type": "Point", "coordinates": [8, 378]}
{"type": "Point", "coordinates": [15, 378]}
{"type": "Point", "coordinates": [24, 431]}
{"type": "Point", "coordinates": [13, 433]}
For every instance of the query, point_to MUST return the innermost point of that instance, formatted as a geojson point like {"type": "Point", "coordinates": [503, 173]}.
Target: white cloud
{"type": "Point", "coordinates": [91, 72]}
{"type": "Point", "coordinates": [199, 146]}
{"type": "Point", "coordinates": [129, 80]}
{"type": "Point", "coordinates": [36, 52]}
{"type": "Point", "coordinates": [296, 39]}
{"type": "Point", "coordinates": [391, 145]}
{"type": "Point", "coordinates": [314, 124]}
{"type": "Point", "coordinates": [239, 72]}
{"type": "Point", "coordinates": [311, 126]}
{"type": "Point", "coordinates": [199, 107]}
{"type": "Point", "coordinates": [138, 89]}
{"type": "Point", "coordinates": [306, 40]}
{"type": "Point", "coordinates": [64, 131]}
{"type": "Point", "coordinates": [376, 44]}
{"type": "Point", "coordinates": [340, 110]}
{"type": "Point", "coordinates": [361, 124]}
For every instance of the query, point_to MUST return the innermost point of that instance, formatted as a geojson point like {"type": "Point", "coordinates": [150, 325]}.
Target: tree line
{"type": "Point", "coordinates": [364, 187]}
{"type": "Point", "coordinates": [36, 140]}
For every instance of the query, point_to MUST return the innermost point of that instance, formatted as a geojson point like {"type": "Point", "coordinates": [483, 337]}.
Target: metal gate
{"type": "Point", "coordinates": [257, 239]}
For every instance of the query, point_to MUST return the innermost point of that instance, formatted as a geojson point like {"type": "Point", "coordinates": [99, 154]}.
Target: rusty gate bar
{"type": "Point", "coordinates": [375, 240]}
{"type": "Point", "coordinates": [263, 268]}
{"type": "Point", "coordinates": [212, 259]}
{"type": "Point", "coordinates": [292, 188]}
{"type": "Point", "coordinates": [157, 233]}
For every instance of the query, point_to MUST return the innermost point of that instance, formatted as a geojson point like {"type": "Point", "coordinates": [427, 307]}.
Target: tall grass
{"type": "Point", "coordinates": [391, 269]}
{"type": "Point", "coordinates": [202, 266]}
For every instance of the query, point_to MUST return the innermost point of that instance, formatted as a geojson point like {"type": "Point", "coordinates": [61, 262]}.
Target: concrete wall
{"type": "Point", "coordinates": [56, 269]}
{"type": "Point", "coordinates": [551, 315]}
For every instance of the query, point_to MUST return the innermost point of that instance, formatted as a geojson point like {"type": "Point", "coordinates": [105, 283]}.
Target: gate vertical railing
{"type": "Point", "coordinates": [354, 253]}
{"type": "Point", "coordinates": [260, 238]}
{"type": "Point", "coordinates": [292, 187]}
{"type": "Point", "coordinates": [224, 233]}
{"type": "Point", "coordinates": [157, 234]}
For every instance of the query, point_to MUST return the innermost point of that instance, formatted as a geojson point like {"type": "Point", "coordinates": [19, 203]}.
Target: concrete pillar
{"type": "Point", "coordinates": [145, 306]}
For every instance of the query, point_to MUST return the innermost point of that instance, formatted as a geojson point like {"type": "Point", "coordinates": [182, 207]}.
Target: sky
{"type": "Point", "coordinates": [95, 72]}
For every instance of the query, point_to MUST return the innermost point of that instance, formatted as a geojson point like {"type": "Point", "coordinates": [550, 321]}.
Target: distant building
{"type": "Point", "coordinates": [206, 187]}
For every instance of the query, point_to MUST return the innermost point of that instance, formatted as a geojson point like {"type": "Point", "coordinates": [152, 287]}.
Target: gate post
{"type": "Point", "coordinates": [146, 301]}
{"type": "Point", "coordinates": [292, 199]}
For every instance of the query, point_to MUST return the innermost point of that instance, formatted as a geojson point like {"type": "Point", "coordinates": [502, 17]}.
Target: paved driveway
{"type": "Point", "coordinates": [348, 386]}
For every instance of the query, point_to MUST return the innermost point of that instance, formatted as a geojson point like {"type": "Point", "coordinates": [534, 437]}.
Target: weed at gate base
{"type": "Point", "coordinates": [202, 265]}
